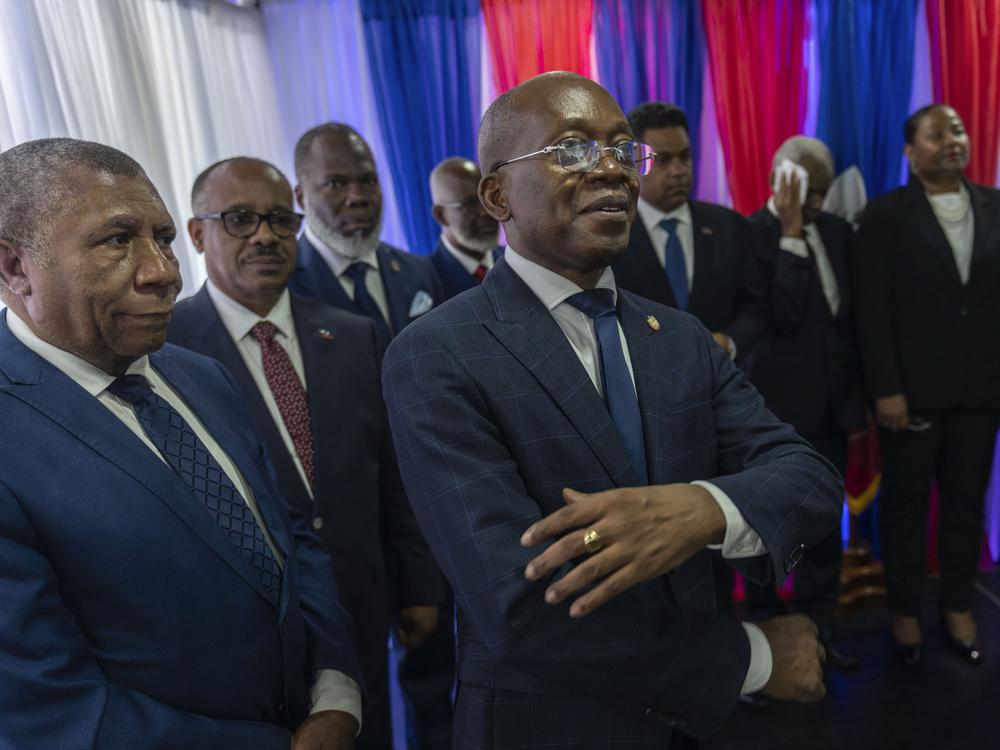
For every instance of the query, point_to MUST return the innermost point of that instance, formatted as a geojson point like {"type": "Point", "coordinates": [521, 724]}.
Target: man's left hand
{"type": "Point", "coordinates": [326, 730]}
{"type": "Point", "coordinates": [645, 532]}
{"type": "Point", "coordinates": [416, 624]}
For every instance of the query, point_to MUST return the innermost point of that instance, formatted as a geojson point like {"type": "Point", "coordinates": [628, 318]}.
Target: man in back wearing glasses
{"type": "Point", "coordinates": [309, 375]}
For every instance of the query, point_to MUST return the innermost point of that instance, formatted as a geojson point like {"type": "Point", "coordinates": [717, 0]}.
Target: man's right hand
{"type": "Point", "coordinates": [797, 659]}
{"type": "Point", "coordinates": [788, 206]}
{"type": "Point", "coordinates": [892, 412]}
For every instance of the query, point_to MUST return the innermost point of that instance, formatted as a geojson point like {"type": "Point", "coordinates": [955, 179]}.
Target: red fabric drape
{"type": "Point", "coordinates": [756, 51]}
{"type": "Point", "coordinates": [965, 59]}
{"type": "Point", "coordinates": [528, 37]}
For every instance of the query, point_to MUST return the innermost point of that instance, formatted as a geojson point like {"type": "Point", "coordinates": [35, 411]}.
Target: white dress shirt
{"type": "Point", "coordinates": [239, 321]}
{"type": "Point", "coordinates": [954, 214]}
{"type": "Point", "coordinates": [338, 265]}
{"type": "Point", "coordinates": [332, 690]}
{"type": "Point", "coordinates": [651, 218]}
{"type": "Point", "coordinates": [469, 263]}
{"type": "Point", "coordinates": [797, 246]}
{"type": "Point", "coordinates": [740, 540]}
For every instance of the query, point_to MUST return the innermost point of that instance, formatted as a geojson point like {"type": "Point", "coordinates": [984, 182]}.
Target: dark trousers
{"type": "Point", "coordinates": [817, 575]}
{"type": "Point", "coordinates": [957, 451]}
{"type": "Point", "coordinates": [427, 679]}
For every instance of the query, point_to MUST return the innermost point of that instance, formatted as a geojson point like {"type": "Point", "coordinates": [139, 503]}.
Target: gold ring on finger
{"type": "Point", "coordinates": [592, 541]}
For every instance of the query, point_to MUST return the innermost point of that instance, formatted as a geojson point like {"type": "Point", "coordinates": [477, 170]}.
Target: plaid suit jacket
{"type": "Point", "coordinates": [493, 414]}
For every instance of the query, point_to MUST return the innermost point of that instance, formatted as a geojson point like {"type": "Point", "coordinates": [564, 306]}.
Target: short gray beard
{"type": "Point", "coordinates": [481, 245]}
{"type": "Point", "coordinates": [354, 247]}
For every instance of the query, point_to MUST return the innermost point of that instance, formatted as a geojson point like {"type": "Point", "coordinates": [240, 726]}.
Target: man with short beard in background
{"type": "Point", "coordinates": [341, 260]}
{"type": "Point", "coordinates": [467, 248]}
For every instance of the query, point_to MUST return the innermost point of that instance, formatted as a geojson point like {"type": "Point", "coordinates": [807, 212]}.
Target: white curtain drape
{"type": "Point", "coordinates": [322, 74]}
{"type": "Point", "coordinates": [176, 84]}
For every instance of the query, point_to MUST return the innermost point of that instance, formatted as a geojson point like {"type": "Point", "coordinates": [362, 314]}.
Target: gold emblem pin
{"type": "Point", "coordinates": [653, 323]}
{"type": "Point", "coordinates": [394, 265]}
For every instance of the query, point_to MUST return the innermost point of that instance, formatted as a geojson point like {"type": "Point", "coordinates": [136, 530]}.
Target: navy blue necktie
{"type": "Point", "coordinates": [675, 265]}
{"type": "Point", "coordinates": [619, 393]}
{"type": "Point", "coordinates": [365, 303]}
{"type": "Point", "coordinates": [192, 462]}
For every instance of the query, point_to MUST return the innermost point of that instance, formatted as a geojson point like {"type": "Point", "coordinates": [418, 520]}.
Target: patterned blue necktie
{"type": "Point", "coordinates": [193, 463]}
{"type": "Point", "coordinates": [619, 393]}
{"type": "Point", "coordinates": [365, 303]}
{"type": "Point", "coordinates": [675, 265]}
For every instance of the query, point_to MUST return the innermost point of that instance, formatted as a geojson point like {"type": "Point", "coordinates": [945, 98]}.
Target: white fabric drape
{"type": "Point", "coordinates": [176, 84]}
{"type": "Point", "coordinates": [322, 74]}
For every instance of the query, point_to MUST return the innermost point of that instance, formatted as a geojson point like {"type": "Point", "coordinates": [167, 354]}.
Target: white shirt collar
{"type": "Point", "coordinates": [338, 263]}
{"type": "Point", "coordinates": [652, 216]}
{"type": "Point", "coordinates": [551, 288]}
{"type": "Point", "coordinates": [88, 376]}
{"type": "Point", "coordinates": [238, 320]}
{"type": "Point", "coordinates": [469, 263]}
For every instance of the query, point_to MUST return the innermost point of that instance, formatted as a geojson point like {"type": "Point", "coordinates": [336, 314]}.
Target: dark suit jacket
{"type": "Point", "coordinates": [920, 330]}
{"type": "Point", "coordinates": [409, 281]}
{"type": "Point", "coordinates": [452, 274]}
{"type": "Point", "coordinates": [727, 292]}
{"type": "Point", "coordinates": [806, 364]}
{"type": "Point", "coordinates": [493, 414]}
{"type": "Point", "coordinates": [129, 618]}
{"type": "Point", "coordinates": [360, 507]}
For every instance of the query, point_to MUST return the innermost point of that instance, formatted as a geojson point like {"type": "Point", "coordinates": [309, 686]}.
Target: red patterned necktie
{"type": "Point", "coordinates": [480, 273]}
{"type": "Point", "coordinates": [288, 393]}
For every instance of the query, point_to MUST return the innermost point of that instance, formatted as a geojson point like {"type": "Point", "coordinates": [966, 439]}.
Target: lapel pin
{"type": "Point", "coordinates": [394, 265]}
{"type": "Point", "coordinates": [653, 323]}
{"type": "Point", "coordinates": [707, 231]}
{"type": "Point", "coordinates": [325, 334]}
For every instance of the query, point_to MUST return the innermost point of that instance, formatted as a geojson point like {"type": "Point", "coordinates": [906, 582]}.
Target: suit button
{"type": "Point", "coordinates": [963, 311]}
{"type": "Point", "coordinates": [284, 625]}
{"type": "Point", "coordinates": [318, 523]}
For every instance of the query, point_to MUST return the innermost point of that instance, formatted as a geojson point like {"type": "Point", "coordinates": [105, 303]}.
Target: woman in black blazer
{"type": "Point", "coordinates": [926, 274]}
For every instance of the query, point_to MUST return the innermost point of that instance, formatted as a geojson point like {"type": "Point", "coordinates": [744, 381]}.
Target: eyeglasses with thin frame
{"type": "Point", "coordinates": [468, 205]}
{"type": "Point", "coordinates": [577, 156]}
{"type": "Point", "coordinates": [242, 224]}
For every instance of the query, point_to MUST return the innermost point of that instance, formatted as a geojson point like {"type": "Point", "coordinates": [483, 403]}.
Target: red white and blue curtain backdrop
{"type": "Point", "coordinates": [414, 76]}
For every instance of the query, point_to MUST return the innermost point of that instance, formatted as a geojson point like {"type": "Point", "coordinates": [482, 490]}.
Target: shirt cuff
{"type": "Point", "coordinates": [794, 245]}
{"type": "Point", "coordinates": [761, 659]}
{"type": "Point", "coordinates": [335, 691]}
{"type": "Point", "coordinates": [740, 539]}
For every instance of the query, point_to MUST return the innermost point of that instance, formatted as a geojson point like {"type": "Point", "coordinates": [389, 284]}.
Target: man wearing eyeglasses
{"type": "Point", "coordinates": [571, 450]}
{"type": "Point", "coordinates": [467, 248]}
{"type": "Point", "coordinates": [341, 258]}
{"type": "Point", "coordinates": [689, 254]}
{"type": "Point", "coordinates": [309, 376]}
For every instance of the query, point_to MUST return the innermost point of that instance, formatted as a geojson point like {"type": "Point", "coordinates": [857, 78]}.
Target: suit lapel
{"type": "Point", "coordinates": [923, 219]}
{"type": "Point", "coordinates": [398, 291]}
{"type": "Point", "coordinates": [644, 255]}
{"type": "Point", "coordinates": [982, 215]}
{"type": "Point", "coordinates": [314, 278]}
{"type": "Point", "coordinates": [704, 257]}
{"type": "Point", "coordinates": [528, 331]}
{"type": "Point", "coordinates": [325, 363]}
{"type": "Point", "coordinates": [53, 394]}
{"type": "Point", "coordinates": [215, 338]}
{"type": "Point", "coordinates": [834, 246]}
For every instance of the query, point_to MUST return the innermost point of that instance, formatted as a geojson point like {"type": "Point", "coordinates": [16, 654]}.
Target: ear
{"type": "Point", "coordinates": [196, 230]}
{"type": "Point", "coordinates": [298, 196]}
{"type": "Point", "coordinates": [12, 273]}
{"type": "Point", "coordinates": [908, 153]}
{"type": "Point", "coordinates": [438, 213]}
{"type": "Point", "coordinates": [493, 198]}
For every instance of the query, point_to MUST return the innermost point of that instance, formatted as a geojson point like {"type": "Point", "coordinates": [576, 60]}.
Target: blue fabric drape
{"type": "Point", "coordinates": [650, 50]}
{"type": "Point", "coordinates": [424, 58]}
{"type": "Point", "coordinates": [866, 49]}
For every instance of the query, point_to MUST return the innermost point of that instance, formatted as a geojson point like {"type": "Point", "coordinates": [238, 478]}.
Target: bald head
{"type": "Point", "coordinates": [457, 209]}
{"type": "Point", "coordinates": [237, 167]}
{"type": "Point", "coordinates": [540, 98]}
{"type": "Point", "coordinates": [450, 176]}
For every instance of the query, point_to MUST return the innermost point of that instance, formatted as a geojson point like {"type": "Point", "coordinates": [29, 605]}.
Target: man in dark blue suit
{"type": "Point", "coordinates": [341, 260]}
{"type": "Point", "coordinates": [309, 376]}
{"type": "Point", "coordinates": [549, 404]}
{"type": "Point", "coordinates": [158, 590]}
{"type": "Point", "coordinates": [467, 247]}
